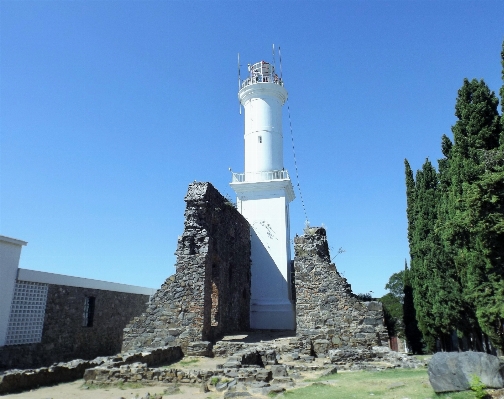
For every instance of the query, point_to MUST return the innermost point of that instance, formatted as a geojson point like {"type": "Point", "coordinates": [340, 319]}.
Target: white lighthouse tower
{"type": "Point", "coordinates": [264, 192]}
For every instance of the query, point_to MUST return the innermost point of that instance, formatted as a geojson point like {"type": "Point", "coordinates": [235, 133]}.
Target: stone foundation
{"type": "Point", "coordinates": [267, 365]}
{"type": "Point", "coordinates": [254, 369]}
{"type": "Point", "coordinates": [22, 380]}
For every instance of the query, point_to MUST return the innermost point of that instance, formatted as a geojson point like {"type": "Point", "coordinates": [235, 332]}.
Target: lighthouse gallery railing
{"type": "Point", "coordinates": [260, 176]}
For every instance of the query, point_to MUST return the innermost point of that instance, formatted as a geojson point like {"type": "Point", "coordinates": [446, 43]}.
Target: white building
{"type": "Point", "coordinates": [47, 317]}
{"type": "Point", "coordinates": [264, 192]}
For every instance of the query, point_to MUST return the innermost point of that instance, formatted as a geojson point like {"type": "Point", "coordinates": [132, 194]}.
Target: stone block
{"type": "Point", "coordinates": [374, 306]}
{"type": "Point", "coordinates": [232, 364]}
{"type": "Point", "coordinates": [452, 371]}
{"type": "Point", "coordinates": [264, 375]}
{"type": "Point", "coordinates": [373, 321]}
{"type": "Point", "coordinates": [279, 371]}
{"type": "Point", "coordinates": [321, 346]}
{"type": "Point", "coordinates": [329, 371]}
{"type": "Point", "coordinates": [273, 389]}
{"type": "Point", "coordinates": [201, 348]}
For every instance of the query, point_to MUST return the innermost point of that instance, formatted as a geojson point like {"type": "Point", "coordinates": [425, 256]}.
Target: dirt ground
{"type": "Point", "coordinates": [74, 390]}
{"type": "Point", "coordinates": [77, 390]}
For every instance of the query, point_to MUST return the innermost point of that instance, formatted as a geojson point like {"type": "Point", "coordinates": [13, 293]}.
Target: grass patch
{"type": "Point", "coordinates": [94, 386]}
{"type": "Point", "coordinates": [172, 390]}
{"type": "Point", "coordinates": [188, 362]}
{"type": "Point", "coordinates": [130, 385]}
{"type": "Point", "coordinates": [389, 384]}
{"type": "Point", "coordinates": [183, 363]}
{"type": "Point", "coordinates": [120, 385]}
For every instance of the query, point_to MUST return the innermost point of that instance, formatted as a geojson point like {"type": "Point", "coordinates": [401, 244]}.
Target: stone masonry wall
{"type": "Point", "coordinates": [209, 294]}
{"type": "Point", "coordinates": [328, 315]}
{"type": "Point", "coordinates": [65, 338]}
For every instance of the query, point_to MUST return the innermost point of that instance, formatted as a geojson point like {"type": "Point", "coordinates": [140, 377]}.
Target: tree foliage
{"type": "Point", "coordinates": [392, 305]}
{"type": "Point", "coordinates": [395, 286]}
{"type": "Point", "coordinates": [412, 333]}
{"type": "Point", "coordinates": [456, 226]}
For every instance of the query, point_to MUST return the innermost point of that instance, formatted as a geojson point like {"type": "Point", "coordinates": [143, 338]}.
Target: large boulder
{"type": "Point", "coordinates": [453, 371]}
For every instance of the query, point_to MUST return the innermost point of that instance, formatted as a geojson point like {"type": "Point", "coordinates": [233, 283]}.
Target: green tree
{"type": "Point", "coordinates": [412, 333]}
{"type": "Point", "coordinates": [502, 87]}
{"type": "Point", "coordinates": [392, 305]}
{"type": "Point", "coordinates": [410, 200]}
{"type": "Point", "coordinates": [422, 268]}
{"type": "Point", "coordinates": [396, 286]}
{"type": "Point", "coordinates": [392, 312]}
{"type": "Point", "coordinates": [437, 295]}
{"type": "Point", "coordinates": [483, 258]}
{"type": "Point", "coordinates": [456, 227]}
{"type": "Point", "coordinates": [472, 209]}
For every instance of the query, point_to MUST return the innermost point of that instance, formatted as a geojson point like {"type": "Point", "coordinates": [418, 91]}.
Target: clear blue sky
{"type": "Point", "coordinates": [109, 109]}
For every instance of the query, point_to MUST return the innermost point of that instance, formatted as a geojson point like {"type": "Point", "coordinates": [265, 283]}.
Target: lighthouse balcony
{"type": "Point", "coordinates": [261, 72]}
{"type": "Point", "coordinates": [252, 177]}
{"type": "Point", "coordinates": [261, 79]}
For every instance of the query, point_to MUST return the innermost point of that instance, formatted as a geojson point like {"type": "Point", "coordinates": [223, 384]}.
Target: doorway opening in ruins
{"type": "Point", "coordinates": [214, 312]}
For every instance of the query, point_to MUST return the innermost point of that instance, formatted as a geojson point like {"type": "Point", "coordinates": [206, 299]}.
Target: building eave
{"type": "Point", "coordinates": [241, 188]}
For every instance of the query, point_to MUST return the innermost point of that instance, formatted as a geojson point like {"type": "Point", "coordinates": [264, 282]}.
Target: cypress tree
{"type": "Point", "coordinates": [482, 217]}
{"type": "Point", "coordinates": [476, 136]}
{"type": "Point", "coordinates": [424, 215]}
{"type": "Point", "coordinates": [502, 87]}
{"type": "Point", "coordinates": [410, 200]}
{"type": "Point", "coordinates": [456, 226]}
{"type": "Point", "coordinates": [483, 259]}
{"type": "Point", "coordinates": [437, 295]}
{"type": "Point", "coordinates": [411, 331]}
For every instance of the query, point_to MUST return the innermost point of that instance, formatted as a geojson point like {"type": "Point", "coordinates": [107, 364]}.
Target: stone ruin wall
{"type": "Point", "coordinates": [209, 295]}
{"type": "Point", "coordinates": [328, 314]}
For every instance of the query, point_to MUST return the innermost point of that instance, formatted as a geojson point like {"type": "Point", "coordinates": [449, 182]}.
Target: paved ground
{"type": "Point", "coordinates": [260, 336]}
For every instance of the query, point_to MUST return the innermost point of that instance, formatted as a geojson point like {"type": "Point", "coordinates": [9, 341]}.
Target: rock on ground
{"type": "Point", "coordinates": [453, 371]}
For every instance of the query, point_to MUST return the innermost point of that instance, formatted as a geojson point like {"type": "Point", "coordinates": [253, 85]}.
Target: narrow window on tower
{"type": "Point", "coordinates": [260, 139]}
{"type": "Point", "coordinates": [88, 315]}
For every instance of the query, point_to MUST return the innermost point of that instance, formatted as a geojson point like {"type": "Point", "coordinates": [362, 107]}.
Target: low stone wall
{"type": "Point", "coordinates": [65, 338]}
{"type": "Point", "coordinates": [254, 370]}
{"type": "Point", "coordinates": [328, 314]}
{"type": "Point", "coordinates": [254, 366]}
{"type": "Point", "coordinates": [140, 372]}
{"type": "Point", "coordinates": [257, 380]}
{"type": "Point", "coordinates": [21, 380]}
{"type": "Point", "coordinates": [289, 351]}
{"type": "Point", "coordinates": [209, 294]}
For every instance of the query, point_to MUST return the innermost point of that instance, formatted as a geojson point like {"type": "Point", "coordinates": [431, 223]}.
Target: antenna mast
{"type": "Point", "coordinates": [239, 80]}
{"type": "Point", "coordinates": [280, 59]}
{"type": "Point", "coordinates": [274, 64]}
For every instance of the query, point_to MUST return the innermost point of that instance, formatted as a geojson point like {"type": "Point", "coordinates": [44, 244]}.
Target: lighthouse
{"type": "Point", "coordinates": [264, 192]}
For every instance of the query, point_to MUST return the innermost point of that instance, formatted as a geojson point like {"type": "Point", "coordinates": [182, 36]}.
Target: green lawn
{"type": "Point", "coordinates": [391, 384]}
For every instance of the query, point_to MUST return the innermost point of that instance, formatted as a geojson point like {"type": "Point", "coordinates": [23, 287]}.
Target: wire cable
{"type": "Point", "coordinates": [293, 147]}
